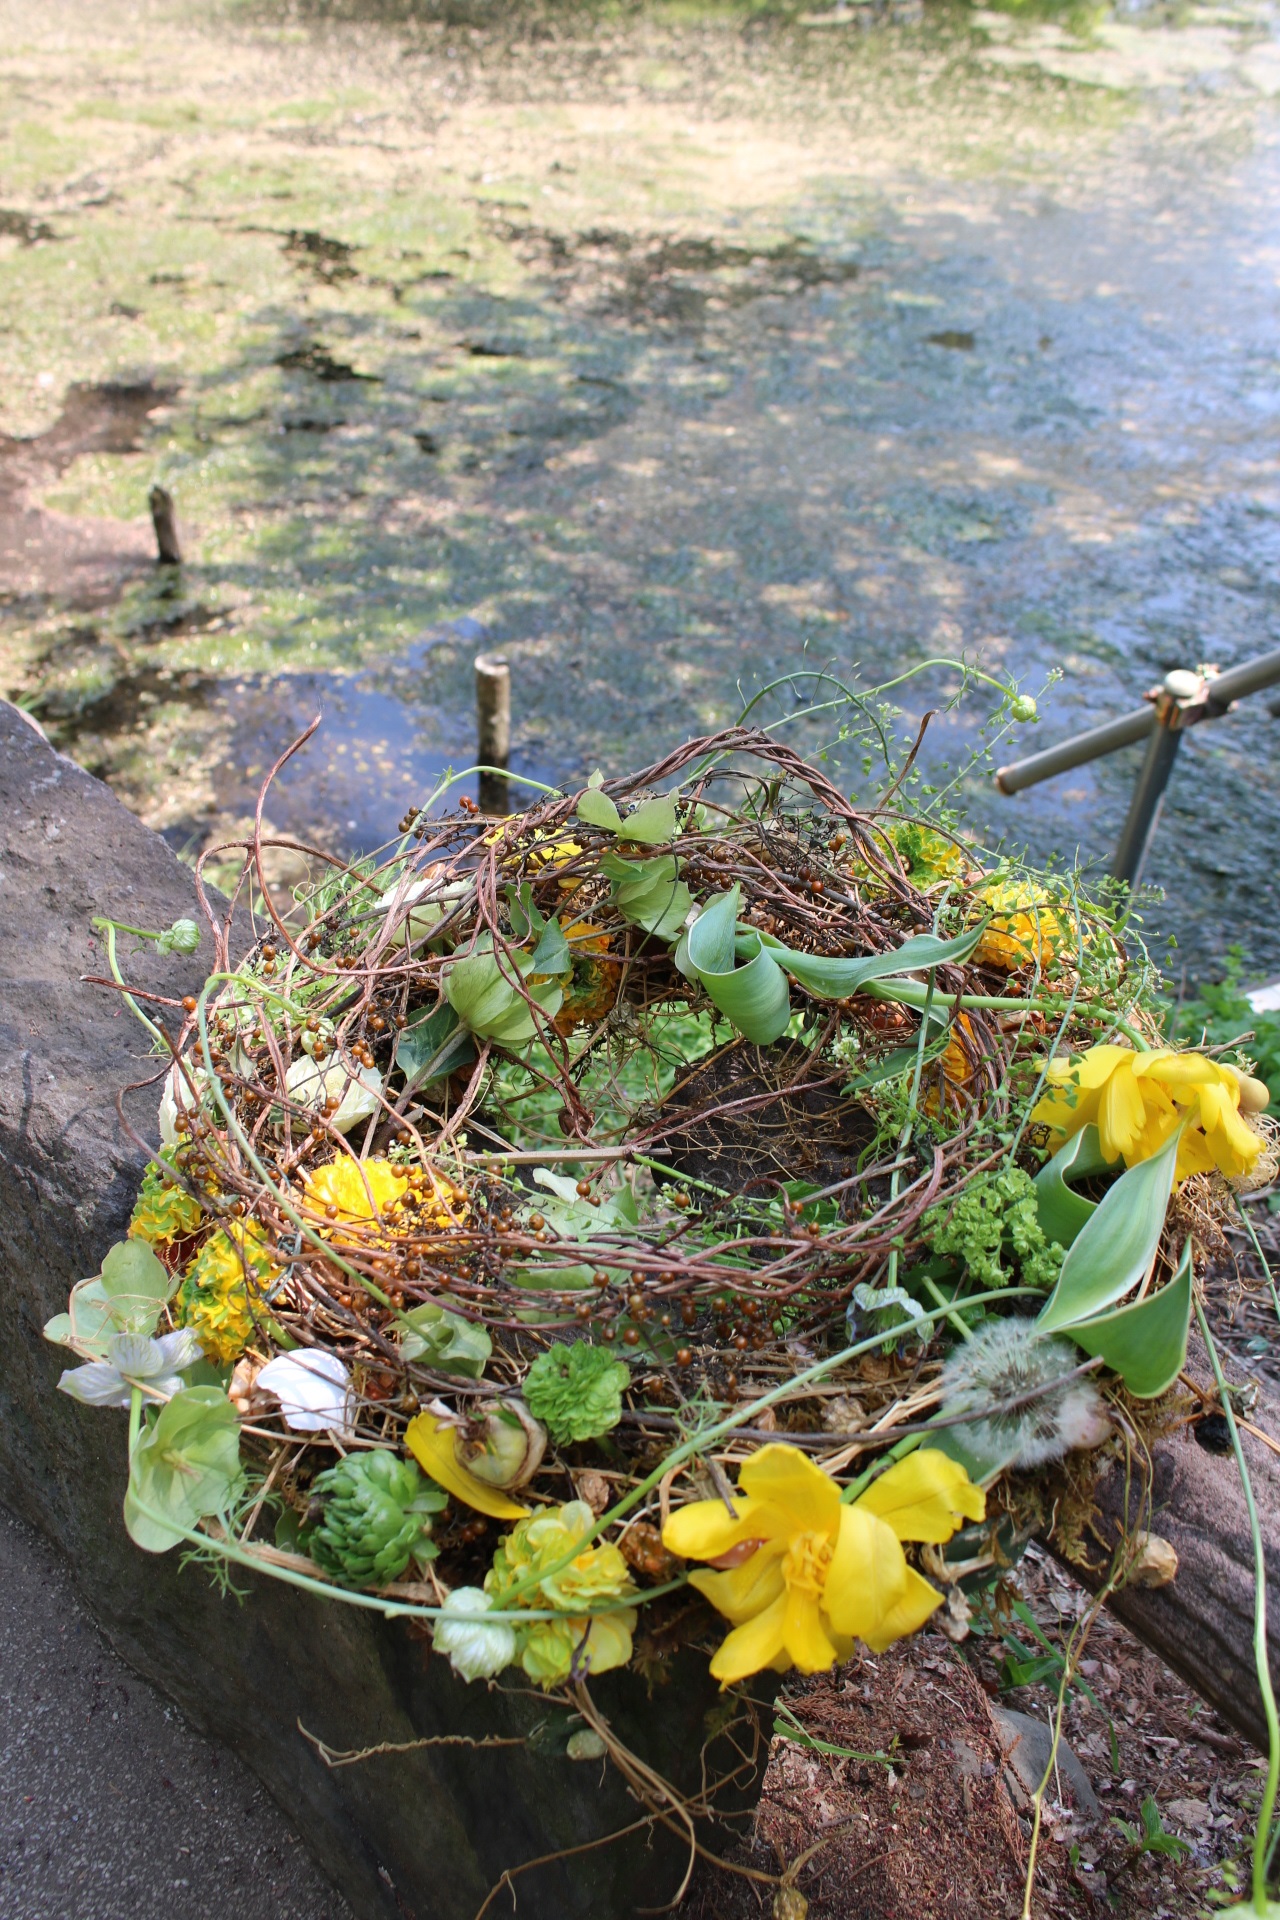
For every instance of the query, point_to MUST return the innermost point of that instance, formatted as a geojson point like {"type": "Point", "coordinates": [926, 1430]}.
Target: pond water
{"type": "Point", "coordinates": [674, 351]}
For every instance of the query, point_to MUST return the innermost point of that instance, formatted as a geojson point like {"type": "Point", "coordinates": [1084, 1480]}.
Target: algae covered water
{"type": "Point", "coordinates": [669, 350]}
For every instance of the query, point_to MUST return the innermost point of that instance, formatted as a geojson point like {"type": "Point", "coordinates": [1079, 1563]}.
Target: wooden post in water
{"type": "Point", "coordinates": [165, 522]}
{"type": "Point", "coordinates": [493, 714]}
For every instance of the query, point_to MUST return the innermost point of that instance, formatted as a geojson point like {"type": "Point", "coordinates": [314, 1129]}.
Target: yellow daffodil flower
{"type": "Point", "coordinates": [802, 1576]}
{"type": "Point", "coordinates": [1136, 1100]}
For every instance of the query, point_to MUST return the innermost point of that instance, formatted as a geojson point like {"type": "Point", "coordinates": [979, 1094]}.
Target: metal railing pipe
{"type": "Point", "coordinates": [1124, 732]}
{"type": "Point", "coordinates": [1251, 676]}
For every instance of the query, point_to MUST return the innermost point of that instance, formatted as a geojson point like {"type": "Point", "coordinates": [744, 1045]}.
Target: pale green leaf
{"type": "Point", "coordinates": [551, 955]}
{"type": "Point", "coordinates": [653, 823]}
{"type": "Point", "coordinates": [444, 1340]}
{"type": "Point", "coordinates": [598, 810]}
{"type": "Point", "coordinates": [185, 1465]}
{"type": "Point", "coordinates": [132, 1270]}
{"type": "Point", "coordinates": [1115, 1248]}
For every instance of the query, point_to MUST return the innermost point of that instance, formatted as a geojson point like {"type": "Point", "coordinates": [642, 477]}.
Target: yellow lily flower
{"type": "Point", "coordinates": [433, 1444]}
{"type": "Point", "coordinates": [802, 1575]}
{"type": "Point", "coordinates": [1136, 1100]}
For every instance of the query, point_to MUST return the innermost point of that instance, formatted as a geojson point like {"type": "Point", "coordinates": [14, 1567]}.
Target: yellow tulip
{"type": "Point", "coordinates": [802, 1575]}
{"type": "Point", "coordinates": [433, 1444]}
{"type": "Point", "coordinates": [1136, 1100]}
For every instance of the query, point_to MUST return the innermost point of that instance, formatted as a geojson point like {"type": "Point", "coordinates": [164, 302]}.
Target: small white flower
{"type": "Point", "coordinates": [178, 1098]}
{"type": "Point", "coordinates": [132, 1361]}
{"type": "Point", "coordinates": [356, 1093]}
{"type": "Point", "coordinates": [477, 1648]}
{"type": "Point", "coordinates": [313, 1388]}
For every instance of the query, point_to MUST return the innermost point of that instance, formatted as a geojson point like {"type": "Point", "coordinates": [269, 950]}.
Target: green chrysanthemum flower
{"type": "Point", "coordinates": [576, 1391]}
{"type": "Point", "coordinates": [377, 1517]}
{"type": "Point", "coordinates": [583, 1641]}
{"type": "Point", "coordinates": [163, 1211]}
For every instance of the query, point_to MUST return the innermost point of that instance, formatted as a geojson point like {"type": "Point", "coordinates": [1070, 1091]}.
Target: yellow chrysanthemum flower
{"type": "Point", "coordinates": [214, 1300]}
{"type": "Point", "coordinates": [411, 1198]}
{"type": "Point", "coordinates": [1137, 1100]}
{"type": "Point", "coordinates": [358, 1189]}
{"type": "Point", "coordinates": [803, 1575]}
{"type": "Point", "coordinates": [1023, 927]}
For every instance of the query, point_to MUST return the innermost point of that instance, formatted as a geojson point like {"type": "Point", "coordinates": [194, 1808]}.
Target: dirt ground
{"type": "Point", "coordinates": [943, 1829]}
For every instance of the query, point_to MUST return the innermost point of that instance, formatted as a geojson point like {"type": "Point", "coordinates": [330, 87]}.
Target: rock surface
{"type": "Point", "coordinates": [420, 1835]}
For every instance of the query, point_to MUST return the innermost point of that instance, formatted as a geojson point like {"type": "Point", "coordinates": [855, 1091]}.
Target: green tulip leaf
{"type": "Point", "coordinates": [754, 997]}
{"type": "Point", "coordinates": [653, 823]}
{"type": "Point", "coordinates": [1145, 1343]}
{"type": "Point", "coordinates": [836, 979]}
{"type": "Point", "coordinates": [445, 1341]}
{"type": "Point", "coordinates": [598, 810]}
{"type": "Point", "coordinates": [1062, 1212]}
{"type": "Point", "coordinates": [1115, 1248]}
{"type": "Point", "coordinates": [185, 1465]}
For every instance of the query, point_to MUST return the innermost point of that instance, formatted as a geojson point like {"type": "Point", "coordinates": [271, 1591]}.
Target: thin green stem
{"type": "Point", "coordinates": [1260, 1651]}
{"type": "Point", "coordinates": [109, 927]}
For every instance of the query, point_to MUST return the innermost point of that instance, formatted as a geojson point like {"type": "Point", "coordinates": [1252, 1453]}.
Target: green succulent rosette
{"type": "Point", "coordinates": [376, 1517]}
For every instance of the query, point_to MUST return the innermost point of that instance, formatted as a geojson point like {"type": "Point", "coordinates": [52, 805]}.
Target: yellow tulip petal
{"type": "Point", "coordinates": [705, 1529]}
{"type": "Point", "coordinates": [1175, 1069]}
{"type": "Point", "coordinates": [1121, 1113]}
{"type": "Point", "coordinates": [752, 1647]}
{"type": "Point", "coordinates": [787, 1479]}
{"type": "Point", "coordinates": [867, 1575]}
{"type": "Point", "coordinates": [1234, 1145]}
{"type": "Point", "coordinates": [802, 1634]}
{"type": "Point", "coordinates": [924, 1497]}
{"type": "Point", "coordinates": [1193, 1155]}
{"type": "Point", "coordinates": [917, 1602]}
{"type": "Point", "coordinates": [432, 1445]}
{"type": "Point", "coordinates": [740, 1593]}
{"type": "Point", "coordinates": [1095, 1068]}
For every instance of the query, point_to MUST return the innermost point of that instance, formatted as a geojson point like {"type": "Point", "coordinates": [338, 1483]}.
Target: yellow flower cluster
{"type": "Point", "coordinates": [1023, 927]}
{"type": "Point", "coordinates": [214, 1300]}
{"type": "Point", "coordinates": [802, 1575]}
{"type": "Point", "coordinates": [1137, 1100]}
